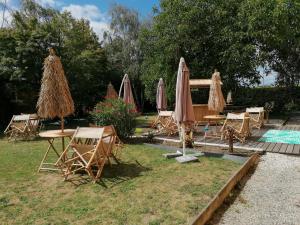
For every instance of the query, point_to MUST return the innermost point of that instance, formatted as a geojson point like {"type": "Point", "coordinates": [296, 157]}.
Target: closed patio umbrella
{"type": "Point", "coordinates": [216, 100]}
{"type": "Point", "coordinates": [229, 98]}
{"type": "Point", "coordinates": [184, 113]}
{"type": "Point", "coordinates": [55, 99]}
{"type": "Point", "coordinates": [111, 92]}
{"type": "Point", "coordinates": [127, 93]}
{"type": "Point", "coordinates": [161, 98]}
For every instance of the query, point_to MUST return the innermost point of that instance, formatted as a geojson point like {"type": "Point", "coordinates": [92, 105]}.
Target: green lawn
{"type": "Point", "coordinates": [144, 189]}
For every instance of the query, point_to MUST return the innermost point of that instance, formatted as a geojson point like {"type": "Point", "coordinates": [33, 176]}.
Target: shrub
{"type": "Point", "coordinates": [115, 112]}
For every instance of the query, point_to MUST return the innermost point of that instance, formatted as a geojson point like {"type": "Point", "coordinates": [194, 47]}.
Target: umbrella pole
{"type": "Point", "coordinates": [62, 124]}
{"type": "Point", "coordinates": [183, 138]}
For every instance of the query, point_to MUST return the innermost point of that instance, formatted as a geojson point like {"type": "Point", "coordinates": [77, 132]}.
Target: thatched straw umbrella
{"type": "Point", "coordinates": [55, 98]}
{"type": "Point", "coordinates": [229, 98]}
{"type": "Point", "coordinates": [161, 98]}
{"type": "Point", "coordinates": [111, 92]}
{"type": "Point", "coordinates": [184, 112]}
{"type": "Point", "coordinates": [216, 100]}
{"type": "Point", "coordinates": [127, 94]}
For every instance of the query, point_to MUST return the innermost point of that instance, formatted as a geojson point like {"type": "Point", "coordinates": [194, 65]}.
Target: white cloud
{"type": "Point", "coordinates": [6, 7]}
{"type": "Point", "coordinates": [50, 3]}
{"type": "Point", "coordinates": [98, 20]}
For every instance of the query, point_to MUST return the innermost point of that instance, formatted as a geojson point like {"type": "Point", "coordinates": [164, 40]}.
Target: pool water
{"type": "Point", "coordinates": [281, 136]}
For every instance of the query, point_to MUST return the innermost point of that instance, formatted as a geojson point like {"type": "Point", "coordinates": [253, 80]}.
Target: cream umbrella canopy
{"type": "Point", "coordinates": [184, 113]}
{"type": "Point", "coordinates": [161, 98]}
{"type": "Point", "coordinates": [55, 99]}
{"type": "Point", "coordinates": [216, 100]}
{"type": "Point", "coordinates": [127, 93]}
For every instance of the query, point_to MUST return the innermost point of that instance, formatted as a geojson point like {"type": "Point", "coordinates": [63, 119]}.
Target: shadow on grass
{"type": "Point", "coordinates": [112, 175]}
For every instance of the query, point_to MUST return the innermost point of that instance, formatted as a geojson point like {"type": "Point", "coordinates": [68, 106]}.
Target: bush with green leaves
{"type": "Point", "coordinates": [115, 112]}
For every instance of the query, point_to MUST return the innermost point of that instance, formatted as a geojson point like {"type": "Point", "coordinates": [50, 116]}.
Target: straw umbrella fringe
{"type": "Point", "coordinates": [111, 92]}
{"type": "Point", "coordinates": [161, 98]}
{"type": "Point", "coordinates": [55, 98]}
{"type": "Point", "coordinates": [216, 100]}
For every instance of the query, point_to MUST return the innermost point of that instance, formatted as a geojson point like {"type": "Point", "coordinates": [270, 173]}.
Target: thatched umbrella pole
{"type": "Point", "coordinates": [55, 99]}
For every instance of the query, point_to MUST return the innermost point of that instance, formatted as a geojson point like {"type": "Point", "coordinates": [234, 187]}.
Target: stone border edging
{"type": "Point", "coordinates": [206, 214]}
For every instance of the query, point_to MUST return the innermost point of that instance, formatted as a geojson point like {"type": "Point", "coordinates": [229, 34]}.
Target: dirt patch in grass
{"type": "Point", "coordinates": [144, 189]}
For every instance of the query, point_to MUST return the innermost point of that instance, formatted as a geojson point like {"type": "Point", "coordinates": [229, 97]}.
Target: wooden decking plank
{"type": "Point", "coordinates": [289, 149]}
{"type": "Point", "coordinates": [283, 148]}
{"type": "Point", "coordinates": [270, 147]}
{"type": "Point", "coordinates": [277, 147]}
{"type": "Point", "coordinates": [296, 150]}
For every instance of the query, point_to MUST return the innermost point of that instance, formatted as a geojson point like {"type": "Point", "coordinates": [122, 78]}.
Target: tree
{"type": "Point", "coordinates": [209, 34]}
{"type": "Point", "coordinates": [274, 24]}
{"type": "Point", "coordinates": [24, 45]}
{"type": "Point", "coordinates": [123, 47]}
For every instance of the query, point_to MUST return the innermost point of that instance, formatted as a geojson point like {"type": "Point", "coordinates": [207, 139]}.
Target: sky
{"type": "Point", "coordinates": [96, 11]}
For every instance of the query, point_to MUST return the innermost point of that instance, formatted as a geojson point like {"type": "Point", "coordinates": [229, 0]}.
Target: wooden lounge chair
{"type": "Point", "coordinates": [256, 117]}
{"type": "Point", "coordinates": [22, 126]}
{"type": "Point", "coordinates": [240, 125]}
{"type": "Point", "coordinates": [165, 122]}
{"type": "Point", "coordinates": [88, 150]}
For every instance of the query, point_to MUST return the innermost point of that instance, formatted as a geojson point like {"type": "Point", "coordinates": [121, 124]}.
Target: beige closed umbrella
{"type": "Point", "coordinates": [216, 100]}
{"type": "Point", "coordinates": [161, 98]}
{"type": "Point", "coordinates": [127, 92]}
{"type": "Point", "coordinates": [55, 99]}
{"type": "Point", "coordinates": [111, 92]}
{"type": "Point", "coordinates": [184, 113]}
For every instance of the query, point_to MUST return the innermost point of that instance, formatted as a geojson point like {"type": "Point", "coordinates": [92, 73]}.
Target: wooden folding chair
{"type": "Point", "coordinates": [256, 117]}
{"type": "Point", "coordinates": [240, 125]}
{"type": "Point", "coordinates": [88, 150]}
{"type": "Point", "coordinates": [165, 122]}
{"type": "Point", "coordinates": [18, 127]}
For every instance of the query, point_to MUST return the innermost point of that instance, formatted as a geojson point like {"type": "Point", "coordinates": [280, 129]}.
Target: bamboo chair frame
{"type": "Point", "coordinates": [240, 125]}
{"type": "Point", "coordinates": [88, 150]}
{"type": "Point", "coordinates": [165, 122]}
{"type": "Point", "coordinates": [256, 117]}
{"type": "Point", "coordinates": [22, 126]}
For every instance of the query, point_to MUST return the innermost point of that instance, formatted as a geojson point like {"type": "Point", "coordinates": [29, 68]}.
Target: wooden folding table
{"type": "Point", "coordinates": [51, 135]}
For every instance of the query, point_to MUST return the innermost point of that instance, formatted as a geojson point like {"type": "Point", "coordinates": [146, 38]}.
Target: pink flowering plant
{"type": "Point", "coordinates": [115, 112]}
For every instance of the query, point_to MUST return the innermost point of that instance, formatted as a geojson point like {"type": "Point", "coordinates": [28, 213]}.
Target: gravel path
{"type": "Point", "coordinates": [271, 196]}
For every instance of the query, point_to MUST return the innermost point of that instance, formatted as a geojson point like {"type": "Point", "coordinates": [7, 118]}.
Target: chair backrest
{"type": "Point", "coordinates": [242, 119]}
{"type": "Point", "coordinates": [23, 117]}
{"type": "Point", "coordinates": [255, 109]}
{"type": "Point", "coordinates": [234, 116]}
{"type": "Point", "coordinates": [166, 113]}
{"type": "Point", "coordinates": [89, 132]}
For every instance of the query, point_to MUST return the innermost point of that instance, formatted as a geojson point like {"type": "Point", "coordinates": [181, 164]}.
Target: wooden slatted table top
{"type": "Point", "coordinates": [215, 117]}
{"type": "Point", "coordinates": [57, 133]}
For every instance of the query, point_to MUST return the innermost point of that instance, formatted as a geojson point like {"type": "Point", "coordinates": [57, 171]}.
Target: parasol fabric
{"type": "Point", "coordinates": [216, 100]}
{"type": "Point", "coordinates": [127, 93]}
{"type": "Point", "coordinates": [184, 112]}
{"type": "Point", "coordinates": [161, 98]}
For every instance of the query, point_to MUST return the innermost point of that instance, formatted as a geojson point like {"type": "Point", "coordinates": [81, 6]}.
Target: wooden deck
{"type": "Point", "coordinates": [253, 142]}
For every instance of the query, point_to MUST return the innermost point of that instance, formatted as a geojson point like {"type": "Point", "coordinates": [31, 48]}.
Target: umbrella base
{"type": "Point", "coordinates": [186, 159]}
{"type": "Point", "coordinates": [172, 155]}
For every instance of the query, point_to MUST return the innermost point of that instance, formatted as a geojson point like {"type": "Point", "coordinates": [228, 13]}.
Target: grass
{"type": "Point", "coordinates": [144, 189]}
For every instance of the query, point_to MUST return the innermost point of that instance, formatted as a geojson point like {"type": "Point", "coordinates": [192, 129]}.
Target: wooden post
{"type": "Point", "coordinates": [230, 132]}
{"type": "Point", "coordinates": [62, 124]}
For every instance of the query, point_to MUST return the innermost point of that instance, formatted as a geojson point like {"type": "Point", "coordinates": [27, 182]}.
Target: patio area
{"type": "Point", "coordinates": [253, 143]}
